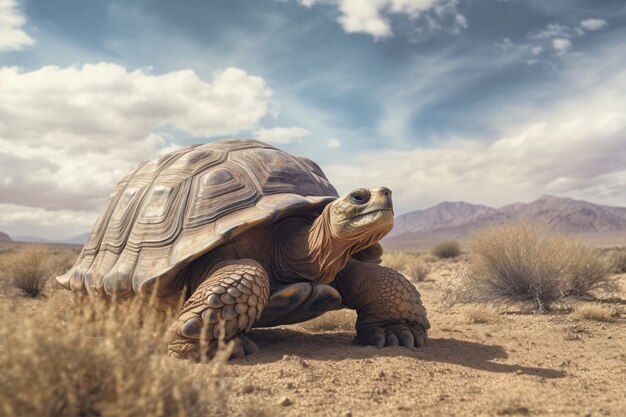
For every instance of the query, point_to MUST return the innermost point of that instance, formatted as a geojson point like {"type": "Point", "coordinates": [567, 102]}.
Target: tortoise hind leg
{"type": "Point", "coordinates": [230, 300]}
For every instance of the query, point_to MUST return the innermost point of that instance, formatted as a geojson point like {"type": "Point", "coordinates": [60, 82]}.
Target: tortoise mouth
{"type": "Point", "coordinates": [371, 213]}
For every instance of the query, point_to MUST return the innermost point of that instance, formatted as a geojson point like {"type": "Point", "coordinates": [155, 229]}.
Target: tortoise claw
{"type": "Point", "coordinates": [406, 338]}
{"type": "Point", "coordinates": [393, 334]}
{"type": "Point", "coordinates": [249, 346]}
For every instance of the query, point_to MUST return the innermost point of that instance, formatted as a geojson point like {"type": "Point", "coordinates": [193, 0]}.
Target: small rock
{"type": "Point", "coordinates": [346, 414]}
{"type": "Point", "coordinates": [290, 385]}
{"type": "Point", "coordinates": [285, 402]}
{"type": "Point", "coordinates": [519, 372]}
{"type": "Point", "coordinates": [247, 389]}
{"type": "Point", "coordinates": [381, 374]}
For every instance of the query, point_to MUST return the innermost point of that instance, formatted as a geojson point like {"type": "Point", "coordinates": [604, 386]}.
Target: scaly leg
{"type": "Point", "coordinates": [389, 307]}
{"type": "Point", "coordinates": [229, 301]}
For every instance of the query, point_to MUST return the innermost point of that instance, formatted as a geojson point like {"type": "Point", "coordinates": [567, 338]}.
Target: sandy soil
{"type": "Point", "coordinates": [556, 364]}
{"type": "Point", "coordinates": [514, 364]}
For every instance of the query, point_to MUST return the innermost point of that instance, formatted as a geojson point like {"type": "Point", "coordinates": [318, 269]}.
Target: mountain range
{"type": "Point", "coordinates": [5, 238]}
{"type": "Point", "coordinates": [457, 220]}
{"type": "Point", "coordinates": [76, 240]}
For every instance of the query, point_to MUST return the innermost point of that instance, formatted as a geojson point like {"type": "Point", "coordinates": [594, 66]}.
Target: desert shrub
{"type": "Point", "coordinates": [418, 271]}
{"type": "Point", "coordinates": [399, 260]}
{"type": "Point", "coordinates": [408, 263]}
{"type": "Point", "coordinates": [446, 249]}
{"type": "Point", "coordinates": [596, 312]}
{"type": "Point", "coordinates": [616, 259]}
{"type": "Point", "coordinates": [586, 270]}
{"type": "Point", "coordinates": [100, 359]}
{"type": "Point", "coordinates": [29, 269]}
{"type": "Point", "coordinates": [524, 262]}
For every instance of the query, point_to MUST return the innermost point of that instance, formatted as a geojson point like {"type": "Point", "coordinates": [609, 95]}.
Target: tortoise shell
{"type": "Point", "coordinates": [169, 211]}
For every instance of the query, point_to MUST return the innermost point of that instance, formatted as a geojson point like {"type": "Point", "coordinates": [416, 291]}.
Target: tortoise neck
{"type": "Point", "coordinates": [307, 248]}
{"type": "Point", "coordinates": [327, 253]}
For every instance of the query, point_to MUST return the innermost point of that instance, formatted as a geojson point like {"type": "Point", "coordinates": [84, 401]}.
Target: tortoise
{"type": "Point", "coordinates": [248, 236]}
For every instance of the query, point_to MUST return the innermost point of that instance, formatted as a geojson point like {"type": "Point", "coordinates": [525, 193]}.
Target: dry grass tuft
{"type": "Point", "coordinates": [418, 271]}
{"type": "Point", "coordinates": [29, 269]}
{"type": "Point", "coordinates": [333, 320]}
{"type": "Point", "coordinates": [597, 312]}
{"type": "Point", "coordinates": [410, 264]}
{"type": "Point", "coordinates": [446, 249]}
{"type": "Point", "coordinates": [99, 359]}
{"type": "Point", "coordinates": [479, 314]}
{"type": "Point", "coordinates": [523, 262]}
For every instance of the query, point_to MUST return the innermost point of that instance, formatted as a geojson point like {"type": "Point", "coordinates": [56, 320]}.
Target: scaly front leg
{"type": "Point", "coordinates": [389, 307]}
{"type": "Point", "coordinates": [227, 304]}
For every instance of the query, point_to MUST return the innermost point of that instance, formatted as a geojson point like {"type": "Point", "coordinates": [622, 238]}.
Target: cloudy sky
{"type": "Point", "coordinates": [485, 101]}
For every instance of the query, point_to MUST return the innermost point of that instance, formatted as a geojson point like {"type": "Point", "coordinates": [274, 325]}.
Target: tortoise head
{"type": "Point", "coordinates": [362, 214]}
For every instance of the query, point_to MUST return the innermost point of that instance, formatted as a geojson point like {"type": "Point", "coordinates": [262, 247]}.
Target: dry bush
{"type": "Point", "coordinates": [587, 270]}
{"type": "Point", "coordinates": [100, 359]}
{"type": "Point", "coordinates": [418, 271]}
{"type": "Point", "coordinates": [616, 259]}
{"type": "Point", "coordinates": [29, 269]}
{"type": "Point", "coordinates": [523, 262]}
{"type": "Point", "coordinates": [479, 314]}
{"type": "Point", "coordinates": [333, 320]}
{"type": "Point", "coordinates": [446, 249]}
{"type": "Point", "coordinates": [596, 312]}
{"type": "Point", "coordinates": [399, 260]}
{"type": "Point", "coordinates": [409, 263]}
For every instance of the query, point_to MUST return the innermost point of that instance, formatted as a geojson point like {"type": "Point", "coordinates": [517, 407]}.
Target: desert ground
{"type": "Point", "coordinates": [479, 360]}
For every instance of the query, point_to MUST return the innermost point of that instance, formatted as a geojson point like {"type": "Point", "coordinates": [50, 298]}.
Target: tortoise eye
{"type": "Point", "coordinates": [358, 198]}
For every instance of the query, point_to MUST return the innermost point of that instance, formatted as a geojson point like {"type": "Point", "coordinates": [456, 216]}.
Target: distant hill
{"type": "Point", "coordinates": [457, 220]}
{"type": "Point", "coordinates": [76, 240]}
{"type": "Point", "coordinates": [5, 238]}
{"type": "Point", "coordinates": [32, 239]}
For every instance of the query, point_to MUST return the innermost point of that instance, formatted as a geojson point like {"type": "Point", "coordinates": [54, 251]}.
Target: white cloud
{"type": "Point", "coordinates": [555, 30]}
{"type": "Point", "coordinates": [334, 143]}
{"type": "Point", "coordinates": [504, 44]}
{"type": "Point", "coordinates": [573, 144]}
{"type": "Point", "coordinates": [307, 3]}
{"type": "Point", "coordinates": [12, 37]}
{"type": "Point", "coordinates": [559, 36]}
{"type": "Point", "coordinates": [557, 157]}
{"type": "Point", "coordinates": [373, 16]}
{"type": "Point", "coordinates": [49, 224]}
{"type": "Point", "coordinates": [593, 24]}
{"type": "Point", "coordinates": [67, 135]}
{"type": "Point", "coordinates": [281, 135]}
{"type": "Point", "coordinates": [561, 46]}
